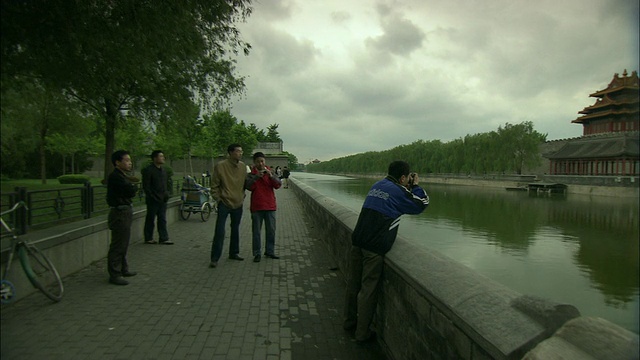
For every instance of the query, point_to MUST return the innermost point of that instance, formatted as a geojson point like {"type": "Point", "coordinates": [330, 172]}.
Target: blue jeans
{"type": "Point", "coordinates": [269, 218]}
{"type": "Point", "coordinates": [218, 237]}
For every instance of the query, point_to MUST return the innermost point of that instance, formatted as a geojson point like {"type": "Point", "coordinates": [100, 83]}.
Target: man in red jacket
{"type": "Point", "coordinates": [262, 182]}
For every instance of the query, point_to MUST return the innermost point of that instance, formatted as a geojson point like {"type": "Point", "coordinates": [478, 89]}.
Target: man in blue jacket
{"type": "Point", "coordinates": [373, 237]}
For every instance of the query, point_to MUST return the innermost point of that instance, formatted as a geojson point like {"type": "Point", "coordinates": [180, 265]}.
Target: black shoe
{"type": "Point", "coordinates": [129, 273]}
{"type": "Point", "coordinates": [167, 242]}
{"type": "Point", "coordinates": [256, 258]}
{"type": "Point", "coordinates": [236, 257]}
{"type": "Point", "coordinates": [213, 264]}
{"type": "Point", "coordinates": [118, 281]}
{"type": "Point", "coordinates": [272, 256]}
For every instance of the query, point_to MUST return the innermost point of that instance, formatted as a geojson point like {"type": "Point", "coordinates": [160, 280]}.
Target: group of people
{"type": "Point", "coordinates": [374, 235]}
{"type": "Point", "coordinates": [228, 184]}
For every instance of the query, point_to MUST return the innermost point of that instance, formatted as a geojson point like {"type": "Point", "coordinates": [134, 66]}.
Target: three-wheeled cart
{"type": "Point", "coordinates": [196, 199]}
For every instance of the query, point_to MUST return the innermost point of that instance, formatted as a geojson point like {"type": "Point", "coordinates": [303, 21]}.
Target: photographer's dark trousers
{"type": "Point", "coordinates": [361, 297]}
{"type": "Point", "coordinates": [154, 209]}
{"type": "Point", "coordinates": [120, 225]}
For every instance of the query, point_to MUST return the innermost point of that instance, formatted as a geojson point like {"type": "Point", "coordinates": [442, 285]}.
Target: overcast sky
{"type": "Point", "coordinates": [342, 77]}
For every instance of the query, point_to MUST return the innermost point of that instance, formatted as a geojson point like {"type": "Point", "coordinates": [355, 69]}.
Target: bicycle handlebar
{"type": "Point", "coordinates": [15, 207]}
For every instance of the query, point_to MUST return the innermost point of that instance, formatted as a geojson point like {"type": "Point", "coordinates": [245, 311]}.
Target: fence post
{"type": "Point", "coordinates": [85, 200]}
{"type": "Point", "coordinates": [21, 213]}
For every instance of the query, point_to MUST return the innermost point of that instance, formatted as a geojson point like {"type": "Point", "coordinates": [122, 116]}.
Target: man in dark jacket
{"type": "Point", "coordinates": [154, 183]}
{"type": "Point", "coordinates": [372, 238]}
{"type": "Point", "coordinates": [285, 176]}
{"type": "Point", "coordinates": [120, 191]}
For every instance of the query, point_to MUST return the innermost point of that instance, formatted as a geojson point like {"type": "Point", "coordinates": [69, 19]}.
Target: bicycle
{"type": "Point", "coordinates": [36, 265]}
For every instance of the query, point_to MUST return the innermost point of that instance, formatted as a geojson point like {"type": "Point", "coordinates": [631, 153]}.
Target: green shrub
{"type": "Point", "coordinates": [73, 179]}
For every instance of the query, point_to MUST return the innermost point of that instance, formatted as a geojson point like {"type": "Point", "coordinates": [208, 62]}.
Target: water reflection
{"type": "Point", "coordinates": [577, 249]}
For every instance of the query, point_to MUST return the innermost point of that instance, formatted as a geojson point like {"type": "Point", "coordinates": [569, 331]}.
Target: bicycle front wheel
{"type": "Point", "coordinates": [205, 211]}
{"type": "Point", "coordinates": [41, 272]}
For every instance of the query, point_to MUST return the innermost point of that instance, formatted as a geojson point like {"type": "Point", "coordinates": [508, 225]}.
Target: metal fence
{"type": "Point", "coordinates": [58, 206]}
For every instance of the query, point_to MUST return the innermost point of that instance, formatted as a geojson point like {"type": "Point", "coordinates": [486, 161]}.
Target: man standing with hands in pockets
{"type": "Point", "coordinates": [154, 183]}
{"type": "Point", "coordinates": [227, 187]}
{"type": "Point", "coordinates": [262, 182]}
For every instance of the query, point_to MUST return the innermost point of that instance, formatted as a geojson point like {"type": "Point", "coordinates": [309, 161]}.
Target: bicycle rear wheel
{"type": "Point", "coordinates": [41, 272]}
{"type": "Point", "coordinates": [185, 212]}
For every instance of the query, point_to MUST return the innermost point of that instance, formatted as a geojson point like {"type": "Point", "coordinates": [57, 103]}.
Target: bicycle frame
{"type": "Point", "coordinates": [37, 266]}
{"type": "Point", "coordinates": [8, 290]}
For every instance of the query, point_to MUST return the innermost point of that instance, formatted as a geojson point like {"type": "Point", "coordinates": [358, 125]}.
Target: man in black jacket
{"type": "Point", "coordinates": [154, 183]}
{"type": "Point", "coordinates": [120, 191]}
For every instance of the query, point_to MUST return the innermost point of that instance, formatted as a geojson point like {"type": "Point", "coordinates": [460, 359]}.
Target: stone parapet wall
{"type": "Point", "coordinates": [432, 307]}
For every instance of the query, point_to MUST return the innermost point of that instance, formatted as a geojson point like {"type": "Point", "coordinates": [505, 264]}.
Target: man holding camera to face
{"type": "Point", "coordinates": [262, 182]}
{"type": "Point", "coordinates": [375, 232]}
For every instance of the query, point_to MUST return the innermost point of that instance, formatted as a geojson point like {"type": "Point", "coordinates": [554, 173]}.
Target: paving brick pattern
{"type": "Point", "coordinates": [178, 308]}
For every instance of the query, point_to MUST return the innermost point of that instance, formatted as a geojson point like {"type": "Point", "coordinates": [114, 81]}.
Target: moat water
{"type": "Point", "coordinates": [572, 249]}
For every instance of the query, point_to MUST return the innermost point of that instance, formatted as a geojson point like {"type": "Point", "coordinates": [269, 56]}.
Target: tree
{"type": "Point", "coordinates": [181, 132]}
{"type": "Point", "coordinates": [77, 136]}
{"type": "Point", "coordinates": [243, 136]}
{"type": "Point", "coordinates": [272, 133]}
{"type": "Point", "coordinates": [292, 159]}
{"type": "Point", "coordinates": [520, 145]}
{"type": "Point", "coordinates": [40, 110]}
{"type": "Point", "coordinates": [17, 135]}
{"type": "Point", "coordinates": [259, 133]}
{"type": "Point", "coordinates": [141, 58]}
{"type": "Point", "coordinates": [510, 148]}
{"type": "Point", "coordinates": [218, 132]}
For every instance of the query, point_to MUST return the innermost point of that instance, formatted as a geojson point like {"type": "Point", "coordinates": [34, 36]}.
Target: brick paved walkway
{"type": "Point", "coordinates": [178, 308]}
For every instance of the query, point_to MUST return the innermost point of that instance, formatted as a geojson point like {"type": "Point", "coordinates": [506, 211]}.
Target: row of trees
{"type": "Point", "coordinates": [510, 149]}
{"type": "Point", "coordinates": [40, 127]}
{"type": "Point", "coordinates": [73, 72]}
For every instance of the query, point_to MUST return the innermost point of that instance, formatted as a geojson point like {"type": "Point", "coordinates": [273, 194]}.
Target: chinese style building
{"type": "Point", "coordinates": [610, 134]}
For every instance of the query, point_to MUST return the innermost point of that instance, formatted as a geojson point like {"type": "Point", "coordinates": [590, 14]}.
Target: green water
{"type": "Point", "coordinates": [573, 249]}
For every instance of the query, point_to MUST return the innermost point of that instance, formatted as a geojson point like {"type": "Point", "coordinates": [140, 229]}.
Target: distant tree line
{"type": "Point", "coordinates": [509, 149]}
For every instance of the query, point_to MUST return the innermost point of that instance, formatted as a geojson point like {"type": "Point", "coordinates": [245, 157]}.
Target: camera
{"type": "Point", "coordinates": [412, 178]}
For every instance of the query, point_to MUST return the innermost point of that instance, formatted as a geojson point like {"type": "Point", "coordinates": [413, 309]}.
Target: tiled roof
{"type": "Point", "coordinates": [618, 83]}
{"type": "Point", "coordinates": [612, 145]}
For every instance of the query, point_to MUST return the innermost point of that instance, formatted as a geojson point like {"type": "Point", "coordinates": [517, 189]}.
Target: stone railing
{"type": "Point", "coordinates": [432, 307]}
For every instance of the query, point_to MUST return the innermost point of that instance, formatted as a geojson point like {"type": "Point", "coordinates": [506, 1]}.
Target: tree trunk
{"type": "Point", "coordinates": [64, 165]}
{"type": "Point", "coordinates": [73, 162]}
{"type": "Point", "coordinates": [111, 116]}
{"type": "Point", "coordinates": [43, 159]}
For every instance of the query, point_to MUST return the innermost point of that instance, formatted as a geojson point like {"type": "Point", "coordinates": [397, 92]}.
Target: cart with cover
{"type": "Point", "coordinates": [196, 199]}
